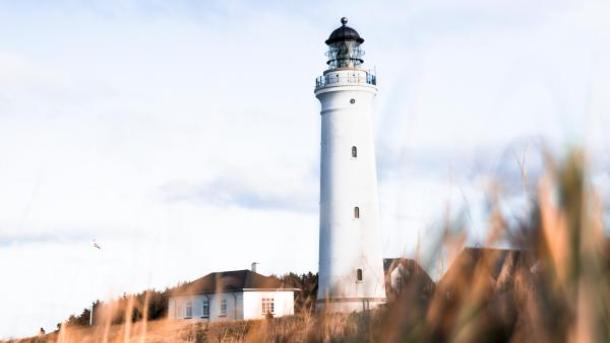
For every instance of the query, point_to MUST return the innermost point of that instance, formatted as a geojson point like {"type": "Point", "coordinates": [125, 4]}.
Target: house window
{"type": "Point", "coordinates": [356, 212]}
{"type": "Point", "coordinates": [358, 274]}
{"type": "Point", "coordinates": [223, 308]}
{"type": "Point", "coordinates": [205, 309]}
{"type": "Point", "coordinates": [188, 310]}
{"type": "Point", "coordinates": [354, 152]}
{"type": "Point", "coordinates": [268, 306]}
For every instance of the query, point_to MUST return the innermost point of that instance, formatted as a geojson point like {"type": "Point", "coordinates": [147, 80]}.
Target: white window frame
{"type": "Point", "coordinates": [188, 310]}
{"type": "Point", "coordinates": [266, 304]}
{"type": "Point", "coordinates": [223, 308]}
{"type": "Point", "coordinates": [205, 308]}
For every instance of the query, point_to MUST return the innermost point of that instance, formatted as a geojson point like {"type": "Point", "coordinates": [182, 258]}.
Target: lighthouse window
{"type": "Point", "coordinates": [356, 212]}
{"type": "Point", "coordinates": [352, 101]}
{"type": "Point", "coordinates": [359, 274]}
{"type": "Point", "coordinates": [354, 152]}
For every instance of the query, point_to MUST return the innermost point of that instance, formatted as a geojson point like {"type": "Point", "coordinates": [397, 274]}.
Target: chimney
{"type": "Point", "coordinates": [253, 266]}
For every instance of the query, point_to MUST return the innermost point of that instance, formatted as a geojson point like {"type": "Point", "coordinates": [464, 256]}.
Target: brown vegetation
{"type": "Point", "coordinates": [554, 288]}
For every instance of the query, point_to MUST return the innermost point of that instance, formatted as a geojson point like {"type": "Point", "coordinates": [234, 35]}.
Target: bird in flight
{"type": "Point", "coordinates": [95, 245]}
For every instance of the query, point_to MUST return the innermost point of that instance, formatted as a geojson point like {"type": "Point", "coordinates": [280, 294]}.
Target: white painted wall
{"type": "Point", "coordinates": [346, 243]}
{"type": "Point", "coordinates": [283, 303]}
{"type": "Point", "coordinates": [240, 305]}
{"type": "Point", "coordinates": [177, 306]}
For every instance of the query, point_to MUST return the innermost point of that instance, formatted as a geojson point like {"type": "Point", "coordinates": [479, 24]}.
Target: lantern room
{"type": "Point", "coordinates": [344, 47]}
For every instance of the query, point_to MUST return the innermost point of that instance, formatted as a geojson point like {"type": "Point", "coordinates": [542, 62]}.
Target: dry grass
{"type": "Point", "coordinates": [556, 289]}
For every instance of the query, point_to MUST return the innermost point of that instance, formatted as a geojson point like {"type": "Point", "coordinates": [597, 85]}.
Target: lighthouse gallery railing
{"type": "Point", "coordinates": [332, 78]}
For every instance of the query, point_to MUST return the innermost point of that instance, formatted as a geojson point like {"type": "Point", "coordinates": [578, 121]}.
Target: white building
{"type": "Point", "coordinates": [231, 295]}
{"type": "Point", "coordinates": [350, 263]}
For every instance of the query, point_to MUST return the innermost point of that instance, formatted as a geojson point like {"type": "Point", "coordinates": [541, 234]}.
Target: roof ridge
{"type": "Point", "coordinates": [234, 271]}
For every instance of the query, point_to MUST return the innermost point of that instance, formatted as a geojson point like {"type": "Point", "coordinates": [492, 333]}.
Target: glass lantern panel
{"type": "Point", "coordinates": [345, 54]}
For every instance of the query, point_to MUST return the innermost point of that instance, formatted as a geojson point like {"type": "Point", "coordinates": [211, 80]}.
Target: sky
{"type": "Point", "coordinates": [183, 136]}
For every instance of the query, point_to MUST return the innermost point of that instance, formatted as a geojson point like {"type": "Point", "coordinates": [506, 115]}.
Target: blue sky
{"type": "Point", "coordinates": [183, 136]}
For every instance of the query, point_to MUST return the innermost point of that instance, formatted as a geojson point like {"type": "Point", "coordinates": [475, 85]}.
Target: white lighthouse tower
{"type": "Point", "coordinates": [350, 262]}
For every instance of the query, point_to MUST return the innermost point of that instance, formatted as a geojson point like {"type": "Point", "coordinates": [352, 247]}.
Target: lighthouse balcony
{"type": "Point", "coordinates": [334, 78]}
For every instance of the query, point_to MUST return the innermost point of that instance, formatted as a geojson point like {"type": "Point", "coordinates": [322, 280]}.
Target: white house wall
{"type": "Point", "coordinates": [241, 305]}
{"type": "Point", "coordinates": [177, 306]}
{"type": "Point", "coordinates": [283, 303]}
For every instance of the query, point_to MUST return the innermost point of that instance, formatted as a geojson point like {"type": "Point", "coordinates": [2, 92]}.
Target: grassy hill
{"type": "Point", "coordinates": [302, 328]}
{"type": "Point", "coordinates": [555, 288]}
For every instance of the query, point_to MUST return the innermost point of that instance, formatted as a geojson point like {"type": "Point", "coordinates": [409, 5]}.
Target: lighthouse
{"type": "Point", "coordinates": [350, 263]}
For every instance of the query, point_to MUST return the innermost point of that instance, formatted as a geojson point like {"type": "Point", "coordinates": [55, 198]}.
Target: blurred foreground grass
{"type": "Point", "coordinates": [554, 288]}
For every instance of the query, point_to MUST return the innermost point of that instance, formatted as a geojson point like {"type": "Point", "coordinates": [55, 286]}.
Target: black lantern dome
{"type": "Point", "coordinates": [344, 33]}
{"type": "Point", "coordinates": [344, 47]}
